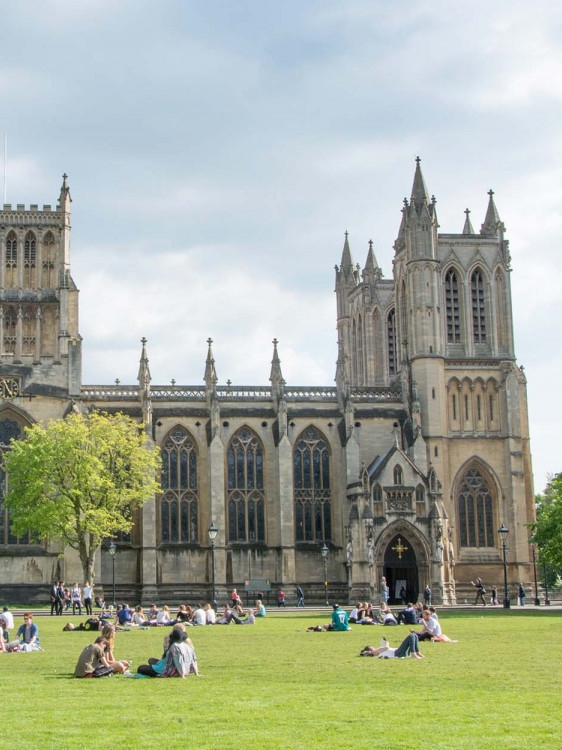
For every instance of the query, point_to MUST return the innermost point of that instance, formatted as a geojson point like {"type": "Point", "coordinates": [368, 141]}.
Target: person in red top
{"type": "Point", "coordinates": [281, 599]}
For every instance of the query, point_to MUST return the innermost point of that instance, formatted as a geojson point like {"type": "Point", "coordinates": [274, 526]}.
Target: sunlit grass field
{"type": "Point", "coordinates": [276, 685]}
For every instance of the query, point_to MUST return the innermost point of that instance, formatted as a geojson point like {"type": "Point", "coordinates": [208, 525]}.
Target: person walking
{"type": "Point", "coordinates": [87, 591]}
{"type": "Point", "coordinates": [300, 597]}
{"type": "Point", "coordinates": [280, 599]}
{"type": "Point", "coordinates": [522, 594]}
{"type": "Point", "coordinates": [480, 591]}
{"type": "Point", "coordinates": [427, 596]}
{"type": "Point", "coordinates": [76, 599]}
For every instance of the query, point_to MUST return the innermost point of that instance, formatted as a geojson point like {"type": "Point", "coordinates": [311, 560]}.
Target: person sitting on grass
{"type": "Point", "coordinates": [408, 616]}
{"type": "Point", "coordinates": [340, 620]}
{"type": "Point", "coordinates": [260, 609]}
{"type": "Point", "coordinates": [210, 614]}
{"type": "Point", "coordinates": [409, 647]}
{"type": "Point", "coordinates": [179, 657]}
{"type": "Point", "coordinates": [431, 630]}
{"type": "Point", "coordinates": [199, 616]}
{"type": "Point", "coordinates": [163, 616]}
{"type": "Point", "coordinates": [121, 667]}
{"type": "Point", "coordinates": [138, 616]}
{"type": "Point", "coordinates": [123, 616]}
{"type": "Point", "coordinates": [92, 661]}
{"type": "Point", "coordinates": [28, 636]}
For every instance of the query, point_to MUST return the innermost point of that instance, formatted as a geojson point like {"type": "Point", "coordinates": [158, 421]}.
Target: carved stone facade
{"type": "Point", "coordinates": [405, 469]}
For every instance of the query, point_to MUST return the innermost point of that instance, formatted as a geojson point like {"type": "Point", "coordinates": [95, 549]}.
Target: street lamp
{"type": "Point", "coordinates": [503, 532]}
{"type": "Point", "coordinates": [546, 599]}
{"type": "Point", "coordinates": [324, 552]}
{"type": "Point", "coordinates": [534, 551]}
{"type": "Point", "coordinates": [213, 531]}
{"type": "Point", "coordinates": [112, 551]}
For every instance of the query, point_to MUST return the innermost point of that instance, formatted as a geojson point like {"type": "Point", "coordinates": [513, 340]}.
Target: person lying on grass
{"type": "Point", "coordinates": [409, 647]}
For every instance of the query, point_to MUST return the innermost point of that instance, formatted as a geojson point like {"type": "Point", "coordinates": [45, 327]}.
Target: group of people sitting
{"type": "Point", "coordinates": [124, 617]}
{"type": "Point", "coordinates": [178, 658]}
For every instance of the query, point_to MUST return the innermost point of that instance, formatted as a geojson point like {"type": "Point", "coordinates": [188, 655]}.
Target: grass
{"type": "Point", "coordinates": [277, 686]}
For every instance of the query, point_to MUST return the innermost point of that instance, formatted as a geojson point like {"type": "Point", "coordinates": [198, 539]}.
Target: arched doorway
{"type": "Point", "coordinates": [401, 569]}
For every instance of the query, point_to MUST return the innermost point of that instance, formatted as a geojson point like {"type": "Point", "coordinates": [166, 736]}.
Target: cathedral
{"type": "Point", "coordinates": [404, 470]}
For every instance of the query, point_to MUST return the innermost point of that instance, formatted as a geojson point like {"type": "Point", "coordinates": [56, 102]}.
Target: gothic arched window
{"type": "Point", "coordinates": [246, 494]}
{"type": "Point", "coordinates": [180, 499]}
{"type": "Point", "coordinates": [398, 478]}
{"type": "Point", "coordinates": [391, 343]}
{"type": "Point", "coordinates": [312, 487]}
{"type": "Point", "coordinates": [9, 430]}
{"type": "Point", "coordinates": [453, 307]}
{"type": "Point", "coordinates": [11, 263]}
{"type": "Point", "coordinates": [29, 257]}
{"type": "Point", "coordinates": [478, 307]}
{"type": "Point", "coordinates": [475, 505]}
{"type": "Point", "coordinates": [48, 263]}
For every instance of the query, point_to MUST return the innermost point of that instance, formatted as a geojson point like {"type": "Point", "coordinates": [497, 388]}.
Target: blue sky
{"type": "Point", "coordinates": [217, 152]}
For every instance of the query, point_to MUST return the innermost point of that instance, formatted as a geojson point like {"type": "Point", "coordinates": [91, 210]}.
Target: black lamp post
{"type": "Point", "coordinates": [324, 552]}
{"type": "Point", "coordinates": [112, 551]}
{"type": "Point", "coordinates": [546, 599]}
{"type": "Point", "coordinates": [503, 532]}
{"type": "Point", "coordinates": [534, 551]}
{"type": "Point", "coordinates": [213, 531]}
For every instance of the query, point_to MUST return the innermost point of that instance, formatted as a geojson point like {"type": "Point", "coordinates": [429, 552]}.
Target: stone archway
{"type": "Point", "coordinates": [401, 570]}
{"type": "Point", "coordinates": [402, 556]}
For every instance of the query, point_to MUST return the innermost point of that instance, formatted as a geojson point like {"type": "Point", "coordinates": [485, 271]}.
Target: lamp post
{"type": "Point", "coordinates": [534, 551]}
{"type": "Point", "coordinates": [213, 531]}
{"type": "Point", "coordinates": [112, 551]}
{"type": "Point", "coordinates": [546, 599]}
{"type": "Point", "coordinates": [324, 552]}
{"type": "Point", "coordinates": [503, 532]}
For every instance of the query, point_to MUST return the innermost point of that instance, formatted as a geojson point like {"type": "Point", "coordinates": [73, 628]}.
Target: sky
{"type": "Point", "coordinates": [217, 152]}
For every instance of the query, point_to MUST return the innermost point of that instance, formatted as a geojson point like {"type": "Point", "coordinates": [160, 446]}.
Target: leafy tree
{"type": "Point", "coordinates": [547, 530]}
{"type": "Point", "coordinates": [79, 479]}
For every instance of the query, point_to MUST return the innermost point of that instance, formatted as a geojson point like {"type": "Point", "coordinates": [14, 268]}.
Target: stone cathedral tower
{"type": "Point", "coordinates": [441, 332]}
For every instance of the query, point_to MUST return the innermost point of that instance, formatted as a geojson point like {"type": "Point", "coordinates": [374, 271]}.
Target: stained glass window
{"type": "Point", "coordinates": [476, 518]}
{"type": "Point", "coordinates": [180, 501]}
{"type": "Point", "coordinates": [312, 487]}
{"type": "Point", "coordinates": [246, 495]}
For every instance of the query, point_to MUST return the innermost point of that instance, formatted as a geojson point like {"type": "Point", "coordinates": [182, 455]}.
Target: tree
{"type": "Point", "coordinates": [547, 530]}
{"type": "Point", "coordinates": [79, 479]}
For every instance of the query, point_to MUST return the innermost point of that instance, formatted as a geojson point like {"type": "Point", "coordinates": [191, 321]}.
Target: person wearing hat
{"type": "Point", "coordinates": [340, 620]}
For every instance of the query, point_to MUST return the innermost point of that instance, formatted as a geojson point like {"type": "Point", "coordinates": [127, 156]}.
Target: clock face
{"type": "Point", "coordinates": [9, 388]}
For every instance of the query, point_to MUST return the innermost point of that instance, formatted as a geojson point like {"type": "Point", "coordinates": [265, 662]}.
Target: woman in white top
{"type": "Point", "coordinates": [163, 616]}
{"type": "Point", "coordinates": [210, 614]}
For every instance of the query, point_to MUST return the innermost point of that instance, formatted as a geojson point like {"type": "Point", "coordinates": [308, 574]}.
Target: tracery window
{"type": "Point", "coordinates": [398, 479]}
{"type": "Point", "coordinates": [179, 503]}
{"type": "Point", "coordinates": [478, 307]}
{"type": "Point", "coordinates": [476, 517]}
{"type": "Point", "coordinates": [9, 430]}
{"type": "Point", "coordinates": [29, 257]}
{"type": "Point", "coordinates": [452, 307]}
{"type": "Point", "coordinates": [420, 500]}
{"type": "Point", "coordinates": [391, 343]}
{"type": "Point", "coordinates": [312, 487]}
{"type": "Point", "coordinates": [246, 494]}
{"type": "Point", "coordinates": [48, 262]}
{"type": "Point", "coordinates": [10, 329]}
{"type": "Point", "coordinates": [11, 263]}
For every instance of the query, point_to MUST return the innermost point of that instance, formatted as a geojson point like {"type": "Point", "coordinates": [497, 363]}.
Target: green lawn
{"type": "Point", "coordinates": [277, 686]}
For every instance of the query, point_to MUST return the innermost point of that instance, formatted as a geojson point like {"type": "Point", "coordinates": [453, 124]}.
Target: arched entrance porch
{"type": "Point", "coordinates": [402, 557]}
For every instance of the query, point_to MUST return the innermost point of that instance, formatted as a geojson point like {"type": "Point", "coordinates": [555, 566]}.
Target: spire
{"type": "Point", "coordinates": [144, 371]}
{"type": "Point", "coordinates": [342, 381]}
{"type": "Point", "coordinates": [346, 259]}
{"type": "Point", "coordinates": [276, 376]}
{"type": "Point", "coordinates": [492, 222]}
{"type": "Point", "coordinates": [144, 387]}
{"type": "Point", "coordinates": [419, 190]}
{"type": "Point", "coordinates": [467, 229]}
{"type": "Point", "coordinates": [210, 376]}
{"type": "Point", "coordinates": [64, 198]}
{"type": "Point", "coordinates": [372, 270]}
